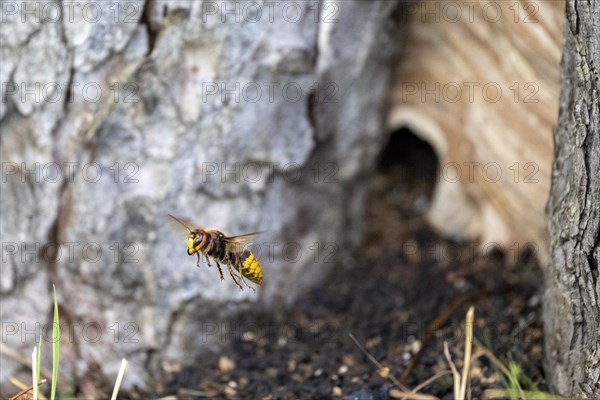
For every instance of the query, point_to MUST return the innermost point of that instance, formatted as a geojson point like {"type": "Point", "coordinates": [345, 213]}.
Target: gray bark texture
{"type": "Point", "coordinates": [163, 144]}
{"type": "Point", "coordinates": [572, 306]}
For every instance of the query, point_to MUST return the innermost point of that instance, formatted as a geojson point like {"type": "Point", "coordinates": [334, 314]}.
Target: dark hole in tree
{"type": "Point", "coordinates": [409, 165]}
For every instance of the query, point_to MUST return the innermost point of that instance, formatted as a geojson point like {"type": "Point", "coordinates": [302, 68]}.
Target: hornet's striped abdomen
{"type": "Point", "coordinates": [251, 268]}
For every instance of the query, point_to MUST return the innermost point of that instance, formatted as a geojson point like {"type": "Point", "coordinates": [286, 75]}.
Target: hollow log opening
{"type": "Point", "coordinates": [407, 170]}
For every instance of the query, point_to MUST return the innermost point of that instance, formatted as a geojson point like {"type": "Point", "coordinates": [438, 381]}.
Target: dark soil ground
{"type": "Point", "coordinates": [404, 278]}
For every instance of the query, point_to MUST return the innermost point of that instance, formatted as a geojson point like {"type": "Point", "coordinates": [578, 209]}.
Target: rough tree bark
{"type": "Point", "coordinates": [572, 308]}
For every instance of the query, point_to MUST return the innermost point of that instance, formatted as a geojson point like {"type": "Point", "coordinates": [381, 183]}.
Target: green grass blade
{"type": "Point", "coordinates": [514, 377]}
{"type": "Point", "coordinates": [55, 348]}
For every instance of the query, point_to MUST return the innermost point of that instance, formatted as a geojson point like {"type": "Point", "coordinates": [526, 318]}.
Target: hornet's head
{"type": "Point", "coordinates": [194, 239]}
{"type": "Point", "coordinates": [195, 236]}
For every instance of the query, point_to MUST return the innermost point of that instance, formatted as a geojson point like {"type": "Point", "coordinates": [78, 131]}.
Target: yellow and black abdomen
{"type": "Point", "coordinates": [250, 267]}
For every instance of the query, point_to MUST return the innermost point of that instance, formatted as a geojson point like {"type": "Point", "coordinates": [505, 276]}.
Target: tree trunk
{"type": "Point", "coordinates": [572, 309]}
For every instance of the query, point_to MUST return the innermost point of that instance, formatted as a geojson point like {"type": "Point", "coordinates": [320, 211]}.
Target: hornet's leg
{"type": "Point", "coordinates": [239, 265]}
{"type": "Point", "coordinates": [232, 273]}
{"type": "Point", "coordinates": [198, 262]}
{"type": "Point", "coordinates": [220, 271]}
{"type": "Point", "coordinates": [236, 262]}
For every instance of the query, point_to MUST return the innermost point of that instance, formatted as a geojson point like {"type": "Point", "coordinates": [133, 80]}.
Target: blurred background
{"type": "Point", "coordinates": [397, 155]}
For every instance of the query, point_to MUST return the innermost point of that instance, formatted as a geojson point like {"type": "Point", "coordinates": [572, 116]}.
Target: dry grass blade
{"type": "Point", "coordinates": [468, 350]}
{"type": "Point", "coordinates": [426, 383]}
{"type": "Point", "coordinates": [119, 379]}
{"type": "Point", "coordinates": [18, 383]}
{"type": "Point", "coordinates": [34, 372]}
{"type": "Point", "coordinates": [24, 393]}
{"type": "Point", "coordinates": [491, 357]}
{"type": "Point", "coordinates": [455, 373]}
{"type": "Point", "coordinates": [460, 382]}
{"type": "Point", "coordinates": [399, 394]}
{"type": "Point", "coordinates": [492, 394]}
